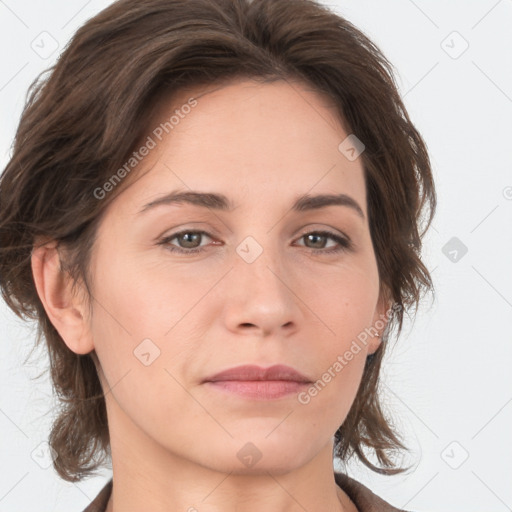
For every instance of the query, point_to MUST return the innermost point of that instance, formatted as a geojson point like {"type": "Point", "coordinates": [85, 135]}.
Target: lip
{"type": "Point", "coordinates": [258, 389]}
{"type": "Point", "coordinates": [245, 373]}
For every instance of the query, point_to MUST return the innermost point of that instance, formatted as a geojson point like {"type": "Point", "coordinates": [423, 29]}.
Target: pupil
{"type": "Point", "coordinates": [187, 237]}
{"type": "Point", "coordinates": [317, 237]}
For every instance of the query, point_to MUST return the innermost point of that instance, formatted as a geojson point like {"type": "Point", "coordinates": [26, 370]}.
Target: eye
{"type": "Point", "coordinates": [318, 239]}
{"type": "Point", "coordinates": [190, 242]}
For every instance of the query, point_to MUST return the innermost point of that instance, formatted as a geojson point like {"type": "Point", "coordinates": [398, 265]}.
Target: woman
{"type": "Point", "coordinates": [213, 212]}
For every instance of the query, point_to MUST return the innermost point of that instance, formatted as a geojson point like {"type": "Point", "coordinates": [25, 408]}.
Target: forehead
{"type": "Point", "coordinates": [261, 141]}
{"type": "Point", "coordinates": [242, 98]}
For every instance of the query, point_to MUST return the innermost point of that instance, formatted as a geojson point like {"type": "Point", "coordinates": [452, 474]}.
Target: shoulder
{"type": "Point", "coordinates": [364, 499]}
{"type": "Point", "coordinates": [99, 504]}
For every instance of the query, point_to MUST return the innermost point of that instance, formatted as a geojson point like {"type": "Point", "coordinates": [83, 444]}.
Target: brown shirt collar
{"type": "Point", "coordinates": [364, 499]}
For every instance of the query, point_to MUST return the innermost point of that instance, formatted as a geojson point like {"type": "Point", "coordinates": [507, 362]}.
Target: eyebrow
{"type": "Point", "coordinates": [220, 202]}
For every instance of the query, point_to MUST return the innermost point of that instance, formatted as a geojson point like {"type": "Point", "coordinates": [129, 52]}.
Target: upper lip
{"type": "Point", "coordinates": [253, 372]}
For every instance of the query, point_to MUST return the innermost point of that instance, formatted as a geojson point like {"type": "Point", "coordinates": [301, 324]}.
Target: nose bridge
{"type": "Point", "coordinates": [258, 289]}
{"type": "Point", "coordinates": [259, 264]}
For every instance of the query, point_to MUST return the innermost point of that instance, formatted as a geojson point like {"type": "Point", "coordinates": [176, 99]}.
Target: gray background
{"type": "Point", "coordinates": [448, 379]}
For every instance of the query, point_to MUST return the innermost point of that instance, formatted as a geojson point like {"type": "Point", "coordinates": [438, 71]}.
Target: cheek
{"type": "Point", "coordinates": [141, 329]}
{"type": "Point", "coordinates": [142, 370]}
{"type": "Point", "coordinates": [146, 295]}
{"type": "Point", "coordinates": [342, 303]}
{"type": "Point", "coordinates": [325, 404]}
{"type": "Point", "coordinates": [342, 298]}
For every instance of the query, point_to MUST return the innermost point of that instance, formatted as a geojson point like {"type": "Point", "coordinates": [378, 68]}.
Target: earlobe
{"type": "Point", "coordinates": [64, 309]}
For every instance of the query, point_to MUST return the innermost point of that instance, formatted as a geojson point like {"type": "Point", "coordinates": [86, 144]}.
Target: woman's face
{"type": "Point", "coordinates": [183, 291]}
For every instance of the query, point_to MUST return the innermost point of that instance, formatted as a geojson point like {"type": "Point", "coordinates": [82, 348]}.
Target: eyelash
{"type": "Point", "coordinates": [344, 243]}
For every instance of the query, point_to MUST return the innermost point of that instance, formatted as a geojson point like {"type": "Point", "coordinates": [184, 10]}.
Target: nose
{"type": "Point", "coordinates": [259, 297]}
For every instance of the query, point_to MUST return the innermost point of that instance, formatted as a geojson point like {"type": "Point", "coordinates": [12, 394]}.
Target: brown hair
{"type": "Point", "coordinates": [84, 120]}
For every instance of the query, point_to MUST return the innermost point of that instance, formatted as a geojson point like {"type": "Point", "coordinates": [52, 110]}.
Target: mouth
{"type": "Point", "coordinates": [250, 381]}
{"type": "Point", "coordinates": [278, 372]}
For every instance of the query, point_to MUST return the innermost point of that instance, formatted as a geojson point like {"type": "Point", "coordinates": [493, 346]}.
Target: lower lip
{"type": "Point", "coordinates": [262, 389]}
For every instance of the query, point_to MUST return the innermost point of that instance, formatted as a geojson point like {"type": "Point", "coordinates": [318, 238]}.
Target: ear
{"type": "Point", "coordinates": [66, 310]}
{"type": "Point", "coordinates": [380, 320]}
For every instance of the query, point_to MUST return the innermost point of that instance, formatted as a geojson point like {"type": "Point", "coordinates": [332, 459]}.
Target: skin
{"type": "Point", "coordinates": [174, 440]}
